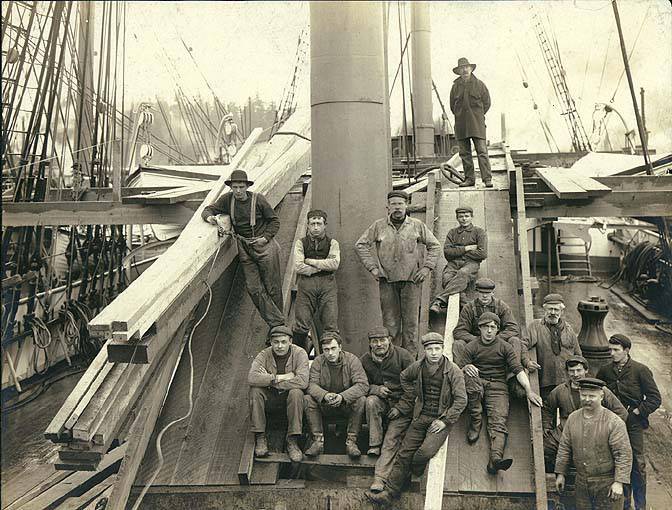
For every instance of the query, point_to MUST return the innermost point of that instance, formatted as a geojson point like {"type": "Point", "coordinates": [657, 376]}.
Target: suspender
{"type": "Point", "coordinates": [253, 210]}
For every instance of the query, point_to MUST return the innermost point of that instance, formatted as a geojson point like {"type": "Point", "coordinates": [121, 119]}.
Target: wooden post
{"type": "Point", "coordinates": [425, 296]}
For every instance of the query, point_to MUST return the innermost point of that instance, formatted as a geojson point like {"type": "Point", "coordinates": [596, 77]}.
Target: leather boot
{"type": "Point", "coordinates": [374, 451]}
{"type": "Point", "coordinates": [293, 450]}
{"type": "Point", "coordinates": [383, 499]}
{"type": "Point", "coordinates": [474, 430]}
{"type": "Point", "coordinates": [351, 447]}
{"type": "Point", "coordinates": [317, 446]}
{"type": "Point", "coordinates": [378, 485]}
{"type": "Point", "coordinates": [468, 183]}
{"type": "Point", "coordinates": [260, 445]}
{"type": "Point", "coordinates": [437, 306]}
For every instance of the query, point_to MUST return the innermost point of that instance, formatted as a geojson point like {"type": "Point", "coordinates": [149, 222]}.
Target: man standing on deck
{"type": "Point", "coordinates": [383, 365]}
{"type": "Point", "coordinates": [465, 248]}
{"type": "Point", "coordinates": [555, 341]}
{"type": "Point", "coordinates": [435, 397]}
{"type": "Point", "coordinates": [316, 259]}
{"type": "Point", "coordinates": [391, 251]}
{"type": "Point", "coordinates": [469, 102]}
{"type": "Point", "coordinates": [485, 364]}
{"type": "Point", "coordinates": [595, 441]}
{"type": "Point", "coordinates": [632, 382]}
{"type": "Point", "coordinates": [563, 401]}
{"type": "Point", "coordinates": [255, 224]}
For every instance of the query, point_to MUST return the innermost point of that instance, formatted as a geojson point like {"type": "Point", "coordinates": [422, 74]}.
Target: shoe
{"type": "Point", "coordinates": [377, 486]}
{"type": "Point", "coordinates": [293, 450]}
{"type": "Point", "coordinates": [473, 432]}
{"type": "Point", "coordinates": [467, 184]}
{"type": "Point", "coordinates": [374, 451]}
{"type": "Point", "coordinates": [261, 445]}
{"type": "Point", "coordinates": [488, 184]}
{"type": "Point", "coordinates": [436, 307]}
{"type": "Point", "coordinates": [316, 447]}
{"type": "Point", "coordinates": [351, 447]}
{"type": "Point", "coordinates": [495, 465]}
{"type": "Point", "coordinates": [383, 499]}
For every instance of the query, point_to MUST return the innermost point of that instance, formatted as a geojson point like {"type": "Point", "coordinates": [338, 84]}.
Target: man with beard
{"type": "Point", "coordinates": [316, 258]}
{"type": "Point", "coordinates": [465, 248]}
{"type": "Point", "coordinates": [255, 224]}
{"type": "Point", "coordinates": [391, 250]}
{"type": "Point", "coordinates": [434, 395]}
{"type": "Point", "coordinates": [555, 341]}
{"type": "Point", "coordinates": [383, 365]}
{"type": "Point", "coordinates": [338, 387]}
{"type": "Point", "coordinates": [595, 441]}
{"type": "Point", "coordinates": [563, 401]}
{"type": "Point", "coordinates": [632, 382]}
{"type": "Point", "coordinates": [485, 364]}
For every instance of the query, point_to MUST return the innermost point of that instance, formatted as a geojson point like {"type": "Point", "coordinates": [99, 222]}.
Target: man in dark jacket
{"type": "Point", "coordinates": [435, 396]}
{"type": "Point", "coordinates": [632, 382]}
{"type": "Point", "coordinates": [383, 365]}
{"type": "Point", "coordinates": [469, 102]}
{"type": "Point", "coordinates": [258, 251]}
{"type": "Point", "coordinates": [465, 248]}
{"type": "Point", "coordinates": [337, 386]}
{"type": "Point", "coordinates": [563, 401]}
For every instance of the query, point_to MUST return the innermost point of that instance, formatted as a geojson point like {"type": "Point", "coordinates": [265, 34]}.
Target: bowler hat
{"type": "Point", "coordinates": [591, 383]}
{"type": "Point", "coordinates": [431, 338]}
{"type": "Point", "coordinates": [487, 317]}
{"type": "Point", "coordinates": [398, 193]}
{"type": "Point", "coordinates": [622, 340]}
{"type": "Point", "coordinates": [281, 330]}
{"type": "Point", "coordinates": [463, 61]}
{"type": "Point", "coordinates": [238, 176]}
{"type": "Point", "coordinates": [553, 299]}
{"type": "Point", "coordinates": [379, 332]}
{"type": "Point", "coordinates": [464, 208]}
{"type": "Point", "coordinates": [485, 284]}
{"type": "Point", "coordinates": [573, 360]}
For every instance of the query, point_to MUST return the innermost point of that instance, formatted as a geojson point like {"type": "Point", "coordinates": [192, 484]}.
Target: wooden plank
{"type": "Point", "coordinates": [615, 204]}
{"type": "Point", "coordinates": [79, 502]}
{"type": "Point", "coordinates": [593, 188]}
{"type": "Point", "coordinates": [54, 478]}
{"type": "Point", "coordinates": [289, 279]}
{"type": "Point", "coordinates": [636, 182]}
{"type": "Point", "coordinates": [246, 459]}
{"type": "Point", "coordinates": [426, 291]}
{"type": "Point", "coordinates": [418, 186]}
{"type": "Point", "coordinates": [90, 393]}
{"type": "Point", "coordinates": [334, 460]}
{"type": "Point", "coordinates": [561, 184]}
{"type": "Point", "coordinates": [173, 196]}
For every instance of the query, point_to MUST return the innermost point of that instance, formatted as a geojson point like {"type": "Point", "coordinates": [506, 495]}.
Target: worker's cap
{"type": "Point", "coordinates": [328, 336]}
{"type": "Point", "coordinates": [398, 193]}
{"type": "Point", "coordinates": [552, 299]}
{"type": "Point", "coordinates": [622, 340]}
{"type": "Point", "coordinates": [379, 332]}
{"type": "Point", "coordinates": [485, 284]}
{"type": "Point", "coordinates": [238, 176]}
{"type": "Point", "coordinates": [228, 116]}
{"type": "Point", "coordinates": [464, 208]}
{"type": "Point", "coordinates": [487, 317]}
{"type": "Point", "coordinates": [280, 331]}
{"type": "Point", "coordinates": [591, 383]}
{"type": "Point", "coordinates": [317, 213]}
{"type": "Point", "coordinates": [431, 339]}
{"type": "Point", "coordinates": [575, 360]}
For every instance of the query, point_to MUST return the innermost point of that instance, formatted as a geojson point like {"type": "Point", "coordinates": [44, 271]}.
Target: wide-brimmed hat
{"type": "Point", "coordinates": [238, 176]}
{"type": "Point", "coordinates": [463, 61]}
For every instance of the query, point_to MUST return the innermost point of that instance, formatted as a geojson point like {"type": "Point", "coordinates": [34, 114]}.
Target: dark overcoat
{"type": "Point", "coordinates": [469, 102]}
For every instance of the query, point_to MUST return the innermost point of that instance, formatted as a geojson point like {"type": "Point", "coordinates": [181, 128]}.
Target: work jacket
{"type": "Point", "coordinates": [467, 325]}
{"type": "Point", "coordinates": [388, 372]}
{"type": "Point", "coordinates": [354, 378]}
{"type": "Point", "coordinates": [553, 371]}
{"type": "Point", "coordinates": [398, 254]}
{"type": "Point", "coordinates": [459, 237]}
{"type": "Point", "coordinates": [634, 386]}
{"type": "Point", "coordinates": [605, 452]}
{"type": "Point", "coordinates": [264, 368]}
{"type": "Point", "coordinates": [469, 102]}
{"type": "Point", "coordinates": [562, 399]}
{"type": "Point", "coordinates": [453, 399]}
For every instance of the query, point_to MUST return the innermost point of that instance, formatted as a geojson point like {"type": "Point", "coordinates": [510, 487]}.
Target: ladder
{"type": "Point", "coordinates": [569, 261]}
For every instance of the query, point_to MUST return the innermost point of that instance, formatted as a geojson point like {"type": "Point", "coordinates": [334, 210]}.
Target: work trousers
{"type": "Point", "coordinates": [265, 399]}
{"type": "Point", "coordinates": [316, 295]}
{"type": "Point", "coordinates": [456, 277]}
{"type": "Point", "coordinates": [353, 411]}
{"type": "Point", "coordinates": [592, 493]}
{"type": "Point", "coordinates": [261, 267]}
{"type": "Point", "coordinates": [637, 489]}
{"type": "Point", "coordinates": [394, 435]}
{"type": "Point", "coordinates": [481, 147]}
{"type": "Point", "coordinates": [551, 443]}
{"type": "Point", "coordinates": [495, 395]}
{"type": "Point", "coordinates": [416, 450]}
{"type": "Point", "coordinates": [399, 304]}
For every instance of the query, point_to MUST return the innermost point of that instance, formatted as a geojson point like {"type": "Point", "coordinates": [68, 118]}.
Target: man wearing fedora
{"type": "Point", "coordinates": [229, 136]}
{"type": "Point", "coordinates": [469, 102]}
{"type": "Point", "coordinates": [391, 249]}
{"type": "Point", "coordinates": [632, 382]}
{"type": "Point", "coordinates": [255, 224]}
{"type": "Point", "coordinates": [595, 441]}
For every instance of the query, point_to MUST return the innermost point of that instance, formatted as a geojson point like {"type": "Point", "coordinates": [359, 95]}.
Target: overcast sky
{"type": "Point", "coordinates": [249, 48]}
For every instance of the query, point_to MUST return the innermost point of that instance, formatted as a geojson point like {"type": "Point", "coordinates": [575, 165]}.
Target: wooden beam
{"type": "Point", "coordinates": [173, 196]}
{"type": "Point", "coordinates": [246, 459]}
{"type": "Point", "coordinates": [425, 296]}
{"type": "Point", "coordinates": [290, 272]}
{"type": "Point", "coordinates": [95, 194]}
{"type": "Point", "coordinates": [615, 204]}
{"type": "Point", "coordinates": [326, 459]}
{"type": "Point", "coordinates": [562, 185]}
{"type": "Point", "coordinates": [637, 182]}
{"type": "Point", "coordinates": [86, 398]}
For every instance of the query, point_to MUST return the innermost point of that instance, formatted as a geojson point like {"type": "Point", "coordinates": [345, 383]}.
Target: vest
{"type": "Point", "coordinates": [431, 391]}
{"type": "Point", "coordinates": [318, 251]}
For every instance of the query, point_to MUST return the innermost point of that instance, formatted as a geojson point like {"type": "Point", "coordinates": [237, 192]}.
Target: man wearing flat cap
{"type": "Point", "coordinates": [338, 387]}
{"type": "Point", "coordinates": [469, 102]}
{"type": "Point", "coordinates": [465, 248]}
{"type": "Point", "coordinates": [632, 382]}
{"type": "Point", "coordinates": [277, 378]}
{"type": "Point", "coordinates": [383, 365]}
{"type": "Point", "coordinates": [563, 401]}
{"type": "Point", "coordinates": [555, 341]}
{"type": "Point", "coordinates": [485, 364]}
{"type": "Point", "coordinates": [399, 252]}
{"type": "Point", "coordinates": [435, 396]}
{"type": "Point", "coordinates": [255, 225]}
{"type": "Point", "coordinates": [316, 259]}
{"type": "Point", "coordinates": [595, 441]}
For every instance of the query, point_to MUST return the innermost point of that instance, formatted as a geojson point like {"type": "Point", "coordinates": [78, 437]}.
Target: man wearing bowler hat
{"type": "Point", "coordinates": [255, 224]}
{"type": "Point", "coordinates": [632, 382]}
{"type": "Point", "coordinates": [469, 102]}
{"type": "Point", "coordinates": [391, 250]}
{"type": "Point", "coordinates": [595, 441]}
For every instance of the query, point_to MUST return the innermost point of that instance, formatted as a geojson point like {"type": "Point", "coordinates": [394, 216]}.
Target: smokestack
{"type": "Point", "coordinates": [422, 79]}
